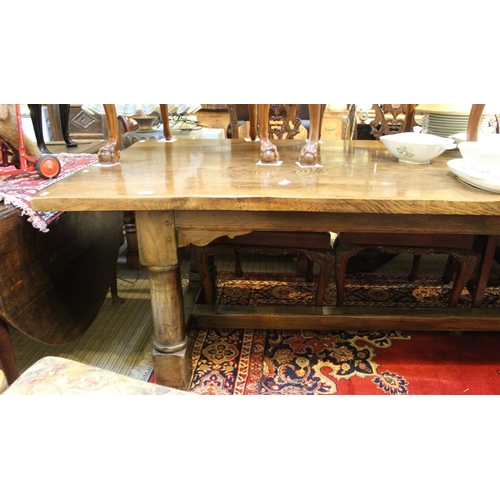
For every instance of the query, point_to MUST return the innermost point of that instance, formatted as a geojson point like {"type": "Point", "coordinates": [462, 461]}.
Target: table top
{"type": "Point", "coordinates": [354, 177]}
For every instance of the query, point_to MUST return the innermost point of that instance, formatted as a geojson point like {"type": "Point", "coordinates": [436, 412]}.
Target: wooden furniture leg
{"type": "Point", "coordinates": [204, 264]}
{"type": "Point", "coordinates": [475, 115]}
{"type": "Point", "coordinates": [253, 110]}
{"type": "Point", "coordinates": [7, 358]}
{"type": "Point", "coordinates": [158, 251]}
{"type": "Point", "coordinates": [414, 268]}
{"type": "Point", "coordinates": [64, 119]}
{"type": "Point", "coordinates": [132, 256]}
{"type": "Point", "coordinates": [268, 151]}
{"type": "Point", "coordinates": [114, 287]}
{"type": "Point", "coordinates": [166, 122]}
{"type": "Point", "coordinates": [110, 152]}
{"type": "Point", "coordinates": [309, 153]}
{"type": "Point", "coordinates": [484, 269]}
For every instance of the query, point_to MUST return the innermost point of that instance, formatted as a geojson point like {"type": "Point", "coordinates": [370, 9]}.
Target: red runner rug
{"type": "Point", "coordinates": [344, 362]}
{"type": "Point", "coordinates": [18, 189]}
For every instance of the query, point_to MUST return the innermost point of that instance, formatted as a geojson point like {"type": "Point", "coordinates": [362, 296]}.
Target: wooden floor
{"type": "Point", "coordinates": [84, 146]}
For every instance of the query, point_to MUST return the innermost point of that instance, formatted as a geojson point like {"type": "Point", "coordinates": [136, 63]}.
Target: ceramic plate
{"type": "Point", "coordinates": [474, 176]}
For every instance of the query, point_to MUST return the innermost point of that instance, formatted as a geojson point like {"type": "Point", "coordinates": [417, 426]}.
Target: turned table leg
{"type": "Point", "coordinates": [158, 252]}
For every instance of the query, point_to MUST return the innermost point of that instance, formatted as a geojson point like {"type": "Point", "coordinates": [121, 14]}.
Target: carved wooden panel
{"type": "Point", "coordinates": [285, 120]}
{"type": "Point", "coordinates": [382, 119]}
{"type": "Point", "coordinates": [85, 125]}
{"type": "Point", "coordinates": [82, 125]}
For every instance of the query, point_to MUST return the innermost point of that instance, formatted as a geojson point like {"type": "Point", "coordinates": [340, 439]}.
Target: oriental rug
{"type": "Point", "coordinates": [18, 189]}
{"type": "Point", "coordinates": [309, 362]}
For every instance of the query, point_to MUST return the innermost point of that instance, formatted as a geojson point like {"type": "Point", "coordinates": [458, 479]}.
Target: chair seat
{"type": "Point", "coordinates": [52, 375]}
{"type": "Point", "coordinates": [263, 239]}
{"type": "Point", "coordinates": [407, 239]}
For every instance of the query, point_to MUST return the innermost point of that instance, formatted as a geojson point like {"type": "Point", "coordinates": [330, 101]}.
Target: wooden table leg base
{"type": "Point", "coordinates": [173, 369]}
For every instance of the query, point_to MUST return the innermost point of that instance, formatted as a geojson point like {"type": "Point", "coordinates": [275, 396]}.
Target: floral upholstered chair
{"type": "Point", "coordinates": [59, 376]}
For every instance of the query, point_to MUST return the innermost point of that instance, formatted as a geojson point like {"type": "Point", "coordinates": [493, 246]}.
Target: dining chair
{"type": "Point", "coordinates": [461, 249]}
{"type": "Point", "coordinates": [109, 153]}
{"type": "Point", "coordinates": [285, 121]}
{"type": "Point", "coordinates": [485, 246]}
{"type": "Point", "coordinates": [381, 119]}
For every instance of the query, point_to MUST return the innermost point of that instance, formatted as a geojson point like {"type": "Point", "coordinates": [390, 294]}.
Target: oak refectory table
{"type": "Point", "coordinates": [194, 191]}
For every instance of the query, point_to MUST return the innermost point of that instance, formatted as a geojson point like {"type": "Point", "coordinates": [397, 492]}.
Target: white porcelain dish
{"type": "Point", "coordinates": [411, 147]}
{"type": "Point", "coordinates": [474, 176]}
{"type": "Point", "coordinates": [484, 153]}
{"type": "Point", "coordinates": [486, 136]}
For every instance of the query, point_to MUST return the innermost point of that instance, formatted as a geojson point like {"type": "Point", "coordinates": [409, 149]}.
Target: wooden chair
{"type": "Point", "coordinates": [285, 120]}
{"type": "Point", "coordinates": [486, 246]}
{"type": "Point", "coordinates": [261, 118]}
{"type": "Point", "coordinates": [460, 248]}
{"type": "Point", "coordinates": [315, 247]}
{"type": "Point", "coordinates": [282, 122]}
{"type": "Point", "coordinates": [110, 153]}
{"type": "Point", "coordinates": [388, 119]}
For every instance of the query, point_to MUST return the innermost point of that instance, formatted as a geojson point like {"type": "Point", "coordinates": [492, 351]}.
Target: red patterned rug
{"type": "Point", "coordinates": [18, 189]}
{"type": "Point", "coordinates": [344, 362]}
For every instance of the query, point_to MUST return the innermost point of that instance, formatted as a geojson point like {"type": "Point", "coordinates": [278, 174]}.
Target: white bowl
{"type": "Point", "coordinates": [469, 151]}
{"type": "Point", "coordinates": [486, 136]}
{"type": "Point", "coordinates": [484, 154]}
{"type": "Point", "coordinates": [410, 147]}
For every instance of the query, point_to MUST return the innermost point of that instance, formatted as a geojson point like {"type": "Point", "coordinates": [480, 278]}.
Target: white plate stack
{"type": "Point", "coordinates": [447, 120]}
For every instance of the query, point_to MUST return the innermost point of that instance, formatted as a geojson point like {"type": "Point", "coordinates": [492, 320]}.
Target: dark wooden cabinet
{"type": "Point", "coordinates": [82, 124]}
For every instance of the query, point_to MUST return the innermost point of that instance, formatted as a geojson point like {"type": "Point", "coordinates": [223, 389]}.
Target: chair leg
{"type": "Point", "coordinates": [342, 254]}
{"type": "Point", "coordinates": [487, 254]}
{"type": "Point", "coordinates": [133, 260]}
{"type": "Point", "coordinates": [203, 261]}
{"type": "Point", "coordinates": [327, 266]}
{"type": "Point", "coordinates": [310, 270]}
{"type": "Point", "coordinates": [414, 270]}
{"type": "Point", "coordinates": [448, 270]}
{"type": "Point", "coordinates": [7, 358]}
{"type": "Point", "coordinates": [467, 262]}
{"type": "Point", "coordinates": [238, 270]}
{"type": "Point", "coordinates": [114, 288]}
